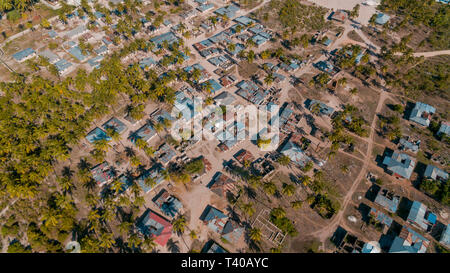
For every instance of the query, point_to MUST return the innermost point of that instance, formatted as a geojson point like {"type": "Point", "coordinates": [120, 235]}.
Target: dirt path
{"type": "Point", "coordinates": [326, 231]}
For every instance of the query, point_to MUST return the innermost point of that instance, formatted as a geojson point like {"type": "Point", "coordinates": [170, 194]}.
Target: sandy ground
{"type": "Point", "coordinates": [365, 12]}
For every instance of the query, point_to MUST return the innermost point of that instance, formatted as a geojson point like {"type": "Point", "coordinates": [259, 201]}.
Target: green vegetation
{"type": "Point", "coordinates": [296, 16]}
{"type": "Point", "coordinates": [430, 77]}
{"type": "Point", "coordinates": [279, 219]}
{"type": "Point", "coordinates": [350, 119]}
{"type": "Point", "coordinates": [437, 189]}
{"type": "Point", "coordinates": [194, 166]}
{"type": "Point", "coordinates": [390, 127]}
{"type": "Point", "coordinates": [423, 13]}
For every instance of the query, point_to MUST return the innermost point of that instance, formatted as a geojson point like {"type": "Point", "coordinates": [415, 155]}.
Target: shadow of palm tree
{"type": "Point", "coordinates": [172, 246]}
{"type": "Point", "coordinates": [84, 164]}
{"type": "Point", "coordinates": [129, 151]}
{"type": "Point", "coordinates": [250, 192]}
{"type": "Point", "coordinates": [67, 172]}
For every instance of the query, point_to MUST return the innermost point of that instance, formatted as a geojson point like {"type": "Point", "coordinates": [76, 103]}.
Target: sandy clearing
{"type": "Point", "coordinates": [365, 12]}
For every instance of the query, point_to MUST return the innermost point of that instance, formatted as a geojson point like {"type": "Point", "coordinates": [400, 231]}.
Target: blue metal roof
{"type": "Point", "coordinates": [97, 134]}
{"type": "Point", "coordinates": [115, 124]}
{"type": "Point", "coordinates": [417, 214]}
{"type": "Point", "coordinates": [421, 113]}
{"type": "Point", "coordinates": [145, 133]}
{"type": "Point", "coordinates": [76, 52]}
{"type": "Point", "coordinates": [445, 236]}
{"type": "Point", "coordinates": [156, 173]}
{"type": "Point", "coordinates": [62, 65]}
{"type": "Point", "coordinates": [382, 18]}
{"type": "Point", "coordinates": [23, 54]}
{"type": "Point", "coordinates": [444, 129]}
{"type": "Point", "coordinates": [244, 20]}
{"type": "Point", "coordinates": [170, 37]}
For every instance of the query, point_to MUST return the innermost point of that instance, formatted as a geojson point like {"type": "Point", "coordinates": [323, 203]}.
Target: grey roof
{"type": "Point", "coordinates": [77, 53]}
{"type": "Point", "coordinates": [101, 49]}
{"type": "Point", "coordinates": [62, 65]}
{"type": "Point", "coordinates": [215, 219]}
{"type": "Point", "coordinates": [95, 62]}
{"type": "Point", "coordinates": [225, 98]}
{"type": "Point", "coordinates": [76, 31]}
{"type": "Point", "coordinates": [155, 172]}
{"type": "Point", "coordinates": [146, 132]}
{"type": "Point", "coordinates": [244, 20]}
{"type": "Point", "coordinates": [445, 236]}
{"type": "Point", "coordinates": [49, 55]}
{"type": "Point", "coordinates": [406, 145]}
{"type": "Point", "coordinates": [417, 214]}
{"type": "Point", "coordinates": [444, 129]}
{"type": "Point", "coordinates": [295, 153]}
{"type": "Point", "coordinates": [400, 164]}
{"type": "Point", "coordinates": [435, 173]}
{"type": "Point", "coordinates": [421, 113]}
{"type": "Point", "coordinates": [116, 124]}
{"type": "Point", "coordinates": [323, 108]}
{"type": "Point", "coordinates": [382, 18]}
{"type": "Point", "coordinates": [411, 242]}
{"type": "Point", "coordinates": [389, 202]}
{"type": "Point", "coordinates": [170, 37]}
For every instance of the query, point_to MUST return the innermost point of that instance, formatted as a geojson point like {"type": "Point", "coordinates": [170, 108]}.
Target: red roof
{"type": "Point", "coordinates": [166, 232]}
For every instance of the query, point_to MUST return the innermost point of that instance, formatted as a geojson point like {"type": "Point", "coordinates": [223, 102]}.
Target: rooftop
{"type": "Point", "coordinates": [156, 226]}
{"type": "Point", "coordinates": [400, 164]}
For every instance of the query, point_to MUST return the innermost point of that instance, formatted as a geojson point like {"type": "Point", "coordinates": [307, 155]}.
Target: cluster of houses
{"type": "Point", "coordinates": [70, 55]}
{"type": "Point", "coordinates": [401, 164]}
{"type": "Point", "coordinates": [419, 219]}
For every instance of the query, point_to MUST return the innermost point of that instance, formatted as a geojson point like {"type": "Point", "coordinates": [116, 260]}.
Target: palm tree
{"type": "Point", "coordinates": [193, 235]}
{"type": "Point", "coordinates": [49, 218]}
{"type": "Point", "coordinates": [196, 74]}
{"type": "Point", "coordinates": [150, 182]}
{"type": "Point", "coordinates": [284, 160]}
{"type": "Point", "coordinates": [248, 209]}
{"type": "Point", "coordinates": [101, 145]}
{"type": "Point", "coordinates": [207, 86]}
{"type": "Point", "coordinates": [116, 186]}
{"type": "Point", "coordinates": [278, 212]}
{"type": "Point", "coordinates": [107, 240]}
{"type": "Point", "coordinates": [124, 227]}
{"type": "Point", "coordinates": [231, 47]}
{"type": "Point", "coordinates": [268, 80]}
{"type": "Point", "coordinates": [306, 180]}
{"type": "Point", "coordinates": [275, 249]}
{"type": "Point", "coordinates": [66, 184]}
{"type": "Point", "coordinates": [255, 234]}
{"type": "Point", "coordinates": [353, 91]}
{"type": "Point", "coordinates": [140, 143]}
{"type": "Point", "coordinates": [179, 224]}
{"type": "Point", "coordinates": [149, 243]}
{"type": "Point", "coordinates": [297, 204]}
{"type": "Point", "coordinates": [251, 56]}
{"type": "Point", "coordinates": [172, 246]}
{"type": "Point", "coordinates": [134, 241]}
{"type": "Point", "coordinates": [342, 81]}
{"type": "Point", "coordinates": [115, 136]}
{"type": "Point", "coordinates": [5, 5]}
{"type": "Point", "coordinates": [269, 188]}
{"type": "Point", "coordinates": [288, 189]}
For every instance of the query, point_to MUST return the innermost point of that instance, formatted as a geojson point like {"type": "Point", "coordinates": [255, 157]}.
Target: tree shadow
{"type": "Point", "coordinates": [172, 246]}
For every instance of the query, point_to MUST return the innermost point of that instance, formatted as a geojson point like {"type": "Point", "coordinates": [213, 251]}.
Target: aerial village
{"type": "Point", "coordinates": [355, 167]}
